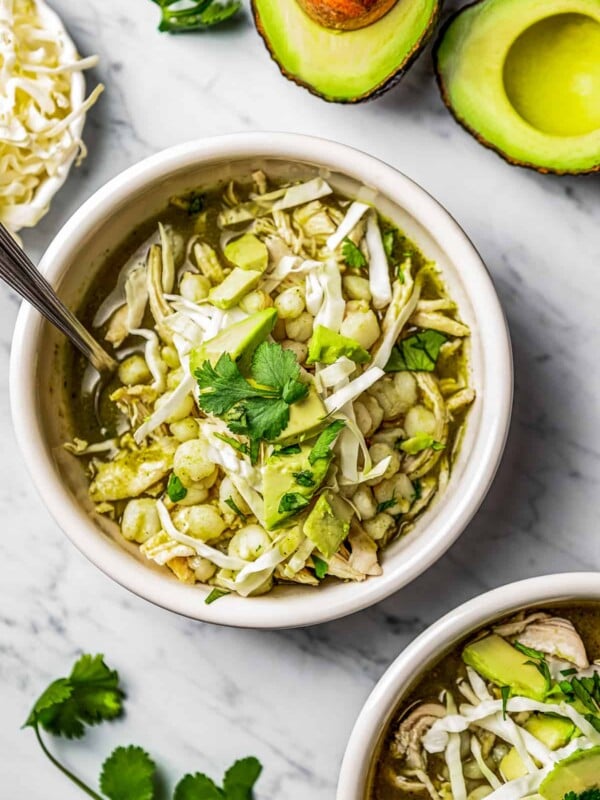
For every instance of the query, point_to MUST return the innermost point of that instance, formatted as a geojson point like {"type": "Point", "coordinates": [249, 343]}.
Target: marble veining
{"type": "Point", "coordinates": [199, 696]}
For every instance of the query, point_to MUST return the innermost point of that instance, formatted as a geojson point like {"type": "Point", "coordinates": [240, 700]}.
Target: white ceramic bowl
{"type": "Point", "coordinates": [427, 648]}
{"type": "Point", "coordinates": [142, 191]}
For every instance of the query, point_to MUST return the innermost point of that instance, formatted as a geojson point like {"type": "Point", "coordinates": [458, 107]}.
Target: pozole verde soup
{"type": "Point", "coordinates": [292, 388]}
{"type": "Point", "coordinates": [512, 712]}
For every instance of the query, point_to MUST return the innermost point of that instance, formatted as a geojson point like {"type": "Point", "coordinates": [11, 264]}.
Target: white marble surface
{"type": "Point", "coordinates": [199, 696]}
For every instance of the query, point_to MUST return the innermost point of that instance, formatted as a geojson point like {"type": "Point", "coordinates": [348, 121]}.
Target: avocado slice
{"type": "Point", "coordinates": [554, 732]}
{"type": "Point", "coordinates": [293, 473]}
{"type": "Point", "coordinates": [498, 661]}
{"type": "Point", "coordinates": [328, 523]}
{"type": "Point", "coordinates": [576, 773]}
{"type": "Point", "coordinates": [523, 76]}
{"type": "Point", "coordinates": [239, 340]}
{"type": "Point", "coordinates": [344, 66]}
{"type": "Point", "coordinates": [235, 286]}
{"type": "Point", "coordinates": [248, 252]}
{"type": "Point", "coordinates": [326, 346]}
{"type": "Point", "coordinates": [307, 416]}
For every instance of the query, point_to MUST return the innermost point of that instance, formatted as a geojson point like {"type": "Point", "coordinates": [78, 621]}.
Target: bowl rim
{"type": "Point", "coordinates": [487, 447]}
{"type": "Point", "coordinates": [467, 617]}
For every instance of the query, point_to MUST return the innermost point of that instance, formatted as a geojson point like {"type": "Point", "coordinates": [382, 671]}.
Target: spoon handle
{"type": "Point", "coordinates": [19, 272]}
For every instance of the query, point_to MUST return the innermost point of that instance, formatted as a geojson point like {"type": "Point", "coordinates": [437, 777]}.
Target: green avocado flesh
{"type": "Point", "coordinates": [576, 773]}
{"type": "Point", "coordinates": [498, 661]}
{"type": "Point", "coordinates": [344, 66]}
{"type": "Point", "coordinates": [239, 340]}
{"type": "Point", "coordinates": [523, 76]}
{"type": "Point", "coordinates": [293, 473]}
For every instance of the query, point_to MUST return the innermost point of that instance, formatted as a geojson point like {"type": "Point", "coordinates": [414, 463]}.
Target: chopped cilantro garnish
{"type": "Point", "coordinates": [416, 353]}
{"type": "Point", "coordinates": [567, 672]}
{"type": "Point", "coordinates": [418, 490]}
{"type": "Point", "coordinates": [386, 504]}
{"type": "Point", "coordinates": [259, 410]}
{"type": "Point", "coordinates": [389, 240]}
{"type": "Point", "coordinates": [235, 508]}
{"type": "Point", "coordinates": [239, 446]}
{"type": "Point", "coordinates": [353, 256]}
{"type": "Point", "coordinates": [304, 478]}
{"type": "Point", "coordinates": [587, 794]}
{"type": "Point", "coordinates": [320, 567]}
{"type": "Point", "coordinates": [505, 692]}
{"type": "Point", "coordinates": [321, 448]}
{"type": "Point", "coordinates": [292, 501]}
{"type": "Point", "coordinates": [215, 595]}
{"type": "Point", "coordinates": [175, 488]}
{"type": "Point", "coordinates": [290, 450]}
{"type": "Point", "coordinates": [529, 651]}
{"type": "Point", "coordinates": [537, 660]}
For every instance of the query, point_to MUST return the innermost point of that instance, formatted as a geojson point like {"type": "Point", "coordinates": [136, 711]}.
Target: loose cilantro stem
{"type": "Point", "coordinates": [62, 768]}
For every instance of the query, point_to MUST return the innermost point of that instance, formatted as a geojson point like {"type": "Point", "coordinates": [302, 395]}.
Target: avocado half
{"type": "Point", "coordinates": [523, 77]}
{"type": "Point", "coordinates": [345, 66]}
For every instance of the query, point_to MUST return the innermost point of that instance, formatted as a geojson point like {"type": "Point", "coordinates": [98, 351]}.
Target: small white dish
{"type": "Point", "coordinates": [425, 651]}
{"type": "Point", "coordinates": [142, 191]}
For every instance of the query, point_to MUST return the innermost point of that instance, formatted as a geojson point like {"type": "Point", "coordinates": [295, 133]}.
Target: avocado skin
{"type": "Point", "coordinates": [465, 125]}
{"type": "Point", "coordinates": [379, 90]}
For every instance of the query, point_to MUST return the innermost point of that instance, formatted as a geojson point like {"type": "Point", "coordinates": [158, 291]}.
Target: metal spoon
{"type": "Point", "coordinates": [19, 272]}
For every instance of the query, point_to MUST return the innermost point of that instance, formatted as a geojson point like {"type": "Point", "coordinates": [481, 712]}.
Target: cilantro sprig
{"type": "Point", "coordinates": [91, 694]}
{"type": "Point", "coordinates": [258, 407]}
{"type": "Point", "coordinates": [416, 353]}
{"type": "Point", "coordinates": [353, 255]}
{"type": "Point", "coordinates": [195, 15]}
{"type": "Point", "coordinates": [587, 794]}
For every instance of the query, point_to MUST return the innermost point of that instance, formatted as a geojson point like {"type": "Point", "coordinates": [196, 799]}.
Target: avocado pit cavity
{"type": "Point", "coordinates": [552, 75]}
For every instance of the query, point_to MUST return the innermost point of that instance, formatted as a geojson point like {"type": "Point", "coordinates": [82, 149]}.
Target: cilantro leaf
{"type": "Point", "coordinates": [259, 410]}
{"type": "Point", "coordinates": [505, 692]}
{"type": "Point", "coordinates": [274, 366]}
{"type": "Point", "coordinates": [216, 594]}
{"type": "Point", "coordinates": [292, 501]}
{"type": "Point", "coordinates": [320, 567]}
{"type": "Point", "coordinates": [90, 695]}
{"type": "Point", "coordinates": [419, 442]}
{"type": "Point", "coordinates": [128, 774]}
{"type": "Point", "coordinates": [386, 504]}
{"type": "Point", "coordinates": [266, 420]}
{"type": "Point", "coordinates": [197, 787]}
{"type": "Point", "coordinates": [304, 478]}
{"type": "Point", "coordinates": [240, 778]}
{"type": "Point", "coordinates": [223, 386]}
{"type": "Point", "coordinates": [197, 17]}
{"type": "Point", "coordinates": [416, 353]}
{"type": "Point", "coordinates": [389, 240]}
{"type": "Point", "coordinates": [235, 508]}
{"type": "Point", "coordinates": [239, 446]}
{"type": "Point", "coordinates": [175, 488]}
{"type": "Point", "coordinates": [289, 450]}
{"type": "Point", "coordinates": [587, 794]}
{"type": "Point", "coordinates": [321, 448]}
{"type": "Point", "coordinates": [529, 651]}
{"type": "Point", "coordinates": [353, 256]}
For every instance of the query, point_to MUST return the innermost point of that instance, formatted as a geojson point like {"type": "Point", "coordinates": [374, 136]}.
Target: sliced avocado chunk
{"type": "Point", "coordinates": [524, 79]}
{"type": "Point", "coordinates": [345, 66]}
{"type": "Point", "coordinates": [498, 661]}
{"type": "Point", "coordinates": [240, 340]}
{"type": "Point", "coordinates": [235, 287]}
{"type": "Point", "coordinates": [553, 731]}
{"type": "Point", "coordinates": [290, 474]}
{"type": "Point", "coordinates": [512, 766]}
{"type": "Point", "coordinates": [248, 252]}
{"type": "Point", "coordinates": [328, 523]}
{"type": "Point", "coordinates": [307, 416]}
{"type": "Point", "coordinates": [576, 773]}
{"type": "Point", "coordinates": [326, 346]}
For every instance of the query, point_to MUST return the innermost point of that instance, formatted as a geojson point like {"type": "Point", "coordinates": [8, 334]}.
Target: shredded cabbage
{"type": "Point", "coordinates": [42, 109]}
{"type": "Point", "coordinates": [379, 271]}
{"type": "Point", "coordinates": [347, 225]}
{"type": "Point", "coordinates": [302, 193]}
{"type": "Point", "coordinates": [333, 306]}
{"type": "Point", "coordinates": [353, 389]}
